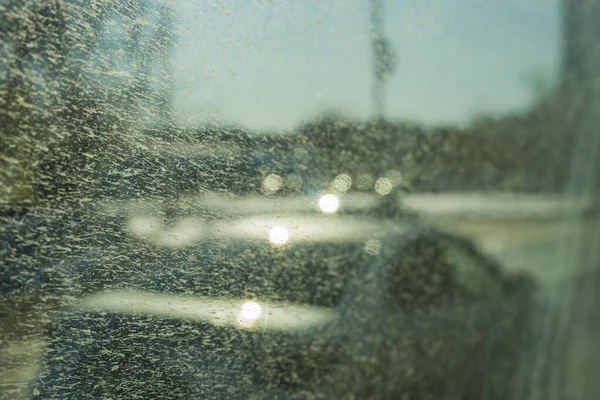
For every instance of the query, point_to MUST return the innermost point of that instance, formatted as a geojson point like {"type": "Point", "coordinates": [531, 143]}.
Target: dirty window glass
{"type": "Point", "coordinates": [471, 273]}
{"type": "Point", "coordinates": [275, 199]}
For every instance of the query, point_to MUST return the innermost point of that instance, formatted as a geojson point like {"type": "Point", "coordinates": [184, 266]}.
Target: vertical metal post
{"type": "Point", "coordinates": [376, 29]}
{"type": "Point", "coordinates": [165, 37]}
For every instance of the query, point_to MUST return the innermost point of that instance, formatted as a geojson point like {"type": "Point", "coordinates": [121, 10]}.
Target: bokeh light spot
{"type": "Point", "coordinates": [383, 186]}
{"type": "Point", "coordinates": [395, 177]}
{"type": "Point", "coordinates": [373, 247]}
{"type": "Point", "coordinates": [294, 181]}
{"type": "Point", "coordinates": [272, 183]}
{"type": "Point", "coordinates": [342, 183]}
{"type": "Point", "coordinates": [329, 203]}
{"type": "Point", "coordinates": [249, 313]}
{"type": "Point", "coordinates": [364, 181]}
{"type": "Point", "coordinates": [279, 235]}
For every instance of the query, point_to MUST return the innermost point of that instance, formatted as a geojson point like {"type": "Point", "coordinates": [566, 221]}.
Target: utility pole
{"type": "Point", "coordinates": [383, 58]}
{"type": "Point", "coordinates": [165, 37]}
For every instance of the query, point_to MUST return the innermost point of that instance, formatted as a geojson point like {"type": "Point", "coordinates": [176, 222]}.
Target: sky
{"type": "Point", "coordinates": [271, 64]}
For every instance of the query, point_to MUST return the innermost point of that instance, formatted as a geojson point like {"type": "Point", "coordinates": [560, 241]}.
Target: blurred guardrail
{"type": "Point", "coordinates": [500, 206]}
{"type": "Point", "coordinates": [494, 206]}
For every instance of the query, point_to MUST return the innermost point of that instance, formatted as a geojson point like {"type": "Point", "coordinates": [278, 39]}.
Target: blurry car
{"type": "Point", "coordinates": [297, 281]}
{"type": "Point", "coordinates": [297, 306]}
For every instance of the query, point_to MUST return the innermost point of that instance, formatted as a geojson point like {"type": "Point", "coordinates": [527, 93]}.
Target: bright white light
{"type": "Point", "coordinates": [279, 235]}
{"type": "Point", "coordinates": [383, 186]}
{"type": "Point", "coordinates": [329, 203]}
{"type": "Point", "coordinates": [249, 313]}
{"type": "Point", "coordinates": [250, 310]}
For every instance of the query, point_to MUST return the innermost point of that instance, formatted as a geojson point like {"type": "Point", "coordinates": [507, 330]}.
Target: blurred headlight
{"type": "Point", "coordinates": [329, 203]}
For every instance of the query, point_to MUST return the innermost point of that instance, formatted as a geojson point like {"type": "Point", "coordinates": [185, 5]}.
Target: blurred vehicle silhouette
{"type": "Point", "coordinates": [292, 290]}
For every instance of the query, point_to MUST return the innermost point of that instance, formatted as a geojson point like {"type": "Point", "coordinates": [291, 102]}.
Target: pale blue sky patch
{"type": "Point", "coordinates": [270, 64]}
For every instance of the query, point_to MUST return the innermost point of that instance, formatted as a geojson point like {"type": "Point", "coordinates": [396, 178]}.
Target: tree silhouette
{"type": "Point", "coordinates": [72, 93]}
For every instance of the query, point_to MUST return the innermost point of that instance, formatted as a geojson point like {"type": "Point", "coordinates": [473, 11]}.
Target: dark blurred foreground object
{"type": "Point", "coordinates": [411, 314]}
{"type": "Point", "coordinates": [32, 246]}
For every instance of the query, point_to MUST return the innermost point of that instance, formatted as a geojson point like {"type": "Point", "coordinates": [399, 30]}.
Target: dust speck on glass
{"type": "Point", "coordinates": [345, 199]}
